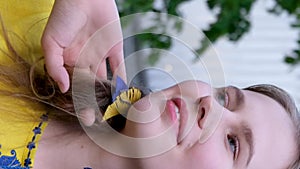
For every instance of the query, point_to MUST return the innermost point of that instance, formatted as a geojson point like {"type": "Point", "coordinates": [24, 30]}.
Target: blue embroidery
{"type": "Point", "coordinates": [31, 145]}
{"type": "Point", "coordinates": [11, 162]}
{"type": "Point", "coordinates": [37, 130]}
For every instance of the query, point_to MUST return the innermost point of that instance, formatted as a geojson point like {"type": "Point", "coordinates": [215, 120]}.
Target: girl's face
{"type": "Point", "coordinates": [251, 131]}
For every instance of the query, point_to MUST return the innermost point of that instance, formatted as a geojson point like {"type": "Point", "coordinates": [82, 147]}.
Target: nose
{"type": "Point", "coordinates": [204, 108]}
{"type": "Point", "coordinates": [209, 117]}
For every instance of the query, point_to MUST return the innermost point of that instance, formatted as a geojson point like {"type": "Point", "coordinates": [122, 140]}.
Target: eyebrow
{"type": "Point", "coordinates": [238, 96]}
{"type": "Point", "coordinates": [248, 135]}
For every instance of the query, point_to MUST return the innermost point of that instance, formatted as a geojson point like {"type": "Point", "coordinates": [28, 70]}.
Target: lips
{"type": "Point", "coordinates": [178, 113]}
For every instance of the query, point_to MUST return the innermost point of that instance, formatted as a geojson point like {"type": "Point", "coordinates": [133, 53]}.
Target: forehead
{"type": "Point", "coordinates": [272, 130]}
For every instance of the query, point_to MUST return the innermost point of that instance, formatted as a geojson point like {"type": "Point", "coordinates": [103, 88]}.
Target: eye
{"type": "Point", "coordinates": [234, 146]}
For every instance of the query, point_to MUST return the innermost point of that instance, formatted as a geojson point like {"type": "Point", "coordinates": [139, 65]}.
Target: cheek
{"type": "Point", "coordinates": [210, 155]}
{"type": "Point", "coordinates": [147, 117]}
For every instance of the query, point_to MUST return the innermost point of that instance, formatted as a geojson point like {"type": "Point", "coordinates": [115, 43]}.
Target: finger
{"type": "Point", "coordinates": [100, 70]}
{"type": "Point", "coordinates": [54, 63]}
{"type": "Point", "coordinates": [62, 79]}
{"type": "Point", "coordinates": [117, 64]}
{"type": "Point", "coordinates": [87, 116]}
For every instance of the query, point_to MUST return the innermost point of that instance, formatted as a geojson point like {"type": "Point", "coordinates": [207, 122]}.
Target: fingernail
{"type": "Point", "coordinates": [62, 87]}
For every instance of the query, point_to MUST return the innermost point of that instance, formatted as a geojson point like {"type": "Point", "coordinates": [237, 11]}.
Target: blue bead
{"type": "Point", "coordinates": [27, 162]}
{"type": "Point", "coordinates": [31, 145]}
{"type": "Point", "coordinates": [37, 130]}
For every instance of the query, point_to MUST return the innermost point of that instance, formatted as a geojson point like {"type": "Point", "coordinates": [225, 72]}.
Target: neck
{"type": "Point", "coordinates": [98, 158]}
{"type": "Point", "coordinates": [71, 148]}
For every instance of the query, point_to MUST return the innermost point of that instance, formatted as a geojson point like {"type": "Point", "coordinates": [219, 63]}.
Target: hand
{"type": "Point", "coordinates": [70, 25]}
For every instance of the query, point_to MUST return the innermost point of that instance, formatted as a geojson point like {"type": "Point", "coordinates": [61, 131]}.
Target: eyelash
{"type": "Point", "coordinates": [234, 145]}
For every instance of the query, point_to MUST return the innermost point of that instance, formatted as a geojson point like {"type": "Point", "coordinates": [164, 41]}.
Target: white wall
{"type": "Point", "coordinates": [258, 57]}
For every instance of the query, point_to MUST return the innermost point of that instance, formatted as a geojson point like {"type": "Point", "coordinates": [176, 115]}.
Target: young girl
{"type": "Point", "coordinates": [188, 125]}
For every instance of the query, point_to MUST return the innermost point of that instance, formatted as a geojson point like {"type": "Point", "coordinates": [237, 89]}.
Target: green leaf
{"type": "Point", "coordinates": [289, 60]}
{"type": "Point", "coordinates": [153, 57]}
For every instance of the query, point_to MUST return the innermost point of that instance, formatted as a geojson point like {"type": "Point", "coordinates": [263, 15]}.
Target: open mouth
{"type": "Point", "coordinates": [178, 112]}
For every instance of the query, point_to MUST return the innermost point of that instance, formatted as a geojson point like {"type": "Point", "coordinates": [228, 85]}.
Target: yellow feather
{"type": "Point", "coordinates": [110, 112]}
{"type": "Point", "coordinates": [122, 103]}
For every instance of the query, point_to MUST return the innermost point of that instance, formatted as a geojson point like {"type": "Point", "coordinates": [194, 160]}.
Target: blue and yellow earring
{"type": "Point", "coordinates": [122, 99]}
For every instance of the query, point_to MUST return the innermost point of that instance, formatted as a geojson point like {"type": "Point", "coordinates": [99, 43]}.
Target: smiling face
{"type": "Point", "coordinates": [237, 128]}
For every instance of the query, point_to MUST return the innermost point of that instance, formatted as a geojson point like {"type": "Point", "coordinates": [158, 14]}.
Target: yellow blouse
{"type": "Point", "coordinates": [21, 121]}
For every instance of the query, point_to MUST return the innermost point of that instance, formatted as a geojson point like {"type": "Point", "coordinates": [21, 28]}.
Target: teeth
{"type": "Point", "coordinates": [177, 112]}
{"type": "Point", "coordinates": [176, 109]}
